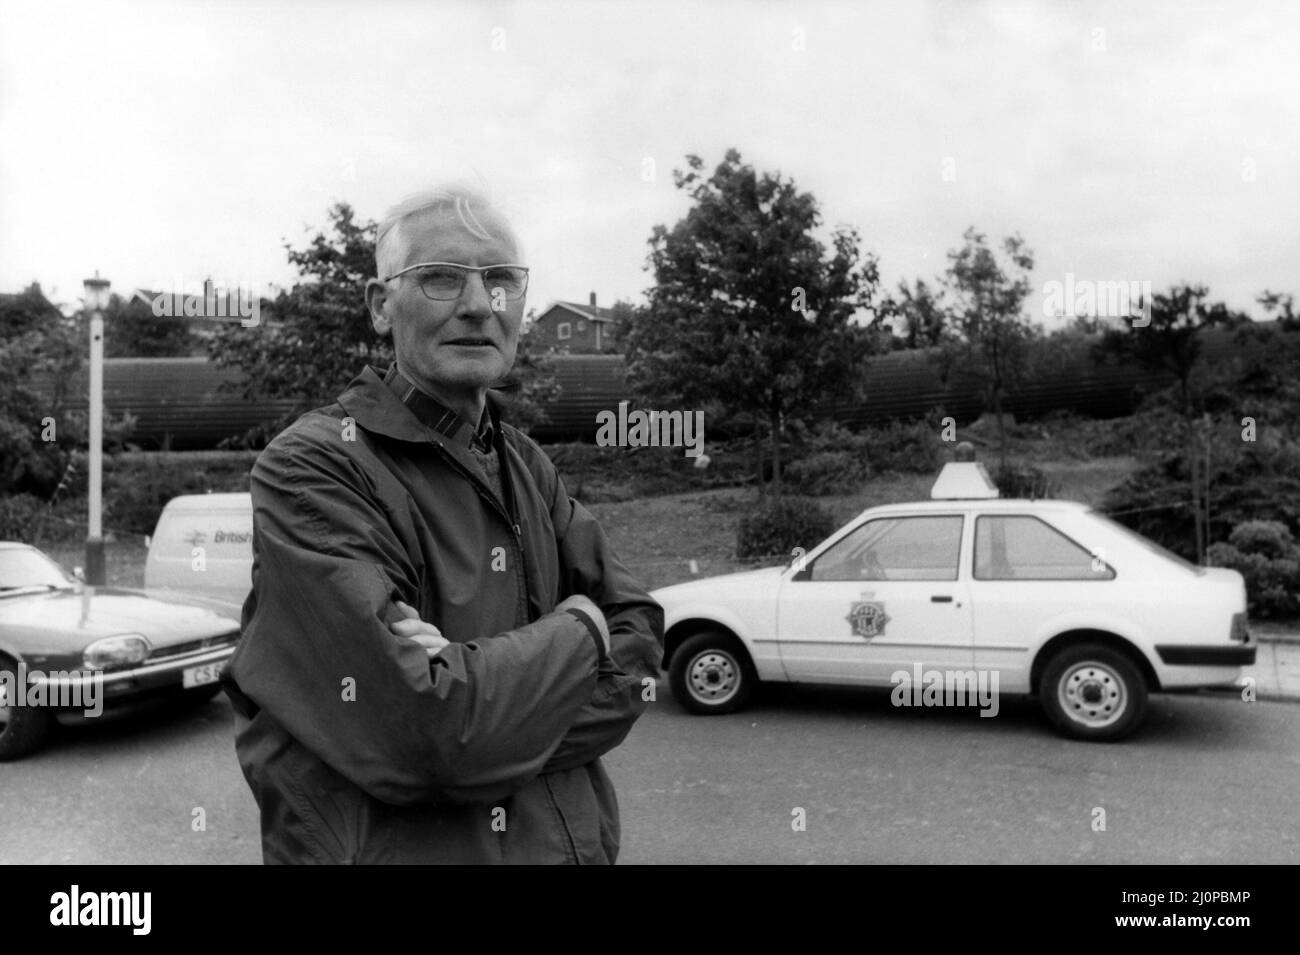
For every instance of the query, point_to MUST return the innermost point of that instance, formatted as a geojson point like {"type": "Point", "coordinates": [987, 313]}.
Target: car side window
{"type": "Point", "coordinates": [894, 548]}
{"type": "Point", "coordinates": [1023, 547]}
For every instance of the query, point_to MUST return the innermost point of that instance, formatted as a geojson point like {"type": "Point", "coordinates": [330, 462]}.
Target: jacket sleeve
{"type": "Point", "coordinates": [588, 565]}
{"type": "Point", "coordinates": [472, 726]}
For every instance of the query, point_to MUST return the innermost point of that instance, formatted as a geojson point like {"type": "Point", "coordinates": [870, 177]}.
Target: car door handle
{"type": "Point", "coordinates": [940, 599]}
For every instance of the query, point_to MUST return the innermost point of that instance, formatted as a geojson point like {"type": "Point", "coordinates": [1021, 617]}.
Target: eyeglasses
{"type": "Point", "coordinates": [445, 281]}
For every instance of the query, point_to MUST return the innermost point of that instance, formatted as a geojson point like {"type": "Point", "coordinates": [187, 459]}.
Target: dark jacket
{"type": "Point", "coordinates": [357, 747]}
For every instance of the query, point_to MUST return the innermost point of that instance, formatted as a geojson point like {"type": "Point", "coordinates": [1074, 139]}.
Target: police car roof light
{"type": "Point", "coordinates": [963, 478]}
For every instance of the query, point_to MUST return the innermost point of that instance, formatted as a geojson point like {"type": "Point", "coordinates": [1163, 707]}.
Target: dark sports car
{"type": "Point", "coordinates": [68, 647]}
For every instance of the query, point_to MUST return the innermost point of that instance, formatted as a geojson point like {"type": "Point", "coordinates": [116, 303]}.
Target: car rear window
{"type": "Point", "coordinates": [1025, 547]}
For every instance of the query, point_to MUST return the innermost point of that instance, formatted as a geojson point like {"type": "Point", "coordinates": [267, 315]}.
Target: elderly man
{"type": "Point", "coordinates": [440, 643]}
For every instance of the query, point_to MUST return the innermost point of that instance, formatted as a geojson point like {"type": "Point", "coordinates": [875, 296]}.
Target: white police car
{"type": "Point", "coordinates": [1049, 597]}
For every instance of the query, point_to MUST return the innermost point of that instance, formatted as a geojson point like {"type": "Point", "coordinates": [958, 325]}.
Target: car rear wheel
{"type": "Point", "coordinates": [23, 729]}
{"type": "Point", "coordinates": [711, 673]}
{"type": "Point", "coordinates": [1093, 692]}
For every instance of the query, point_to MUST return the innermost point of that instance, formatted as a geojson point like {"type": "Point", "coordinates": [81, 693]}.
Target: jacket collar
{"type": "Point", "coordinates": [438, 416]}
{"type": "Point", "coordinates": [376, 407]}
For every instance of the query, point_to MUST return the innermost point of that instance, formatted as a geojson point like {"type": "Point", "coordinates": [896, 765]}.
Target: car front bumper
{"type": "Point", "coordinates": [144, 678]}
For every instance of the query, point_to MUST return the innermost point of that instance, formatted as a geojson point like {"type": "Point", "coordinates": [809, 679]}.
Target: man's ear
{"type": "Point", "coordinates": [376, 300]}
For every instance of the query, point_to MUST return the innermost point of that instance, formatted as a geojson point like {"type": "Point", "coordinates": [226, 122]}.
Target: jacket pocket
{"type": "Point", "coordinates": [310, 813]}
{"type": "Point", "coordinates": [584, 801]}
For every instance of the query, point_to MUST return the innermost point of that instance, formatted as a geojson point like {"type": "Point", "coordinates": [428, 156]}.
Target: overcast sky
{"type": "Point", "coordinates": [163, 142]}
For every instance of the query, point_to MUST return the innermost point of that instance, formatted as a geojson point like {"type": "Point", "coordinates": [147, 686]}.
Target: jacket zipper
{"type": "Point", "coordinates": [521, 578]}
{"type": "Point", "coordinates": [516, 537]}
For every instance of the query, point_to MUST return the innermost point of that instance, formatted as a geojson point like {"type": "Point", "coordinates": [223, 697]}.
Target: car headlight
{"type": "Point", "coordinates": [113, 652]}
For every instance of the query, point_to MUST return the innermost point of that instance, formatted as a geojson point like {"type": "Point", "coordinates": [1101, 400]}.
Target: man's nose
{"type": "Point", "coordinates": [475, 299]}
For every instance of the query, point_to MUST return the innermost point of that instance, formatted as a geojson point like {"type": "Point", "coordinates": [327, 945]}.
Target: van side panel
{"type": "Point", "coordinates": [203, 548]}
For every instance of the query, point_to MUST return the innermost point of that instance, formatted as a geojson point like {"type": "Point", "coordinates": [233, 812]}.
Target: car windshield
{"type": "Point", "coordinates": [1147, 542]}
{"type": "Point", "coordinates": [24, 567]}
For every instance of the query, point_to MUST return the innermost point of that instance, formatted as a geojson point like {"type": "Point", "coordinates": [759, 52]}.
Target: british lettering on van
{"type": "Point", "coordinates": [196, 538]}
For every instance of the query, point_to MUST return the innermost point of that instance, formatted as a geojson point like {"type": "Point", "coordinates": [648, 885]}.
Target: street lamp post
{"type": "Point", "coordinates": [96, 302]}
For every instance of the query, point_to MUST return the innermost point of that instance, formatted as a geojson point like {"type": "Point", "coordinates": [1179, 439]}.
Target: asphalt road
{"type": "Point", "coordinates": [1210, 779]}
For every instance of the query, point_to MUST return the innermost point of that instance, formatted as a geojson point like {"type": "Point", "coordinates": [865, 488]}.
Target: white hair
{"type": "Point", "coordinates": [474, 209]}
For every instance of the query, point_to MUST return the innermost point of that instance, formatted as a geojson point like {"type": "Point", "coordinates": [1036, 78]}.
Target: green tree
{"type": "Point", "coordinates": [991, 339]}
{"type": "Point", "coordinates": [1282, 307]}
{"type": "Point", "coordinates": [43, 423]}
{"type": "Point", "coordinates": [1171, 343]}
{"type": "Point", "coordinates": [921, 316]}
{"type": "Point", "coordinates": [531, 386]}
{"type": "Point", "coordinates": [625, 316]}
{"type": "Point", "coordinates": [37, 351]}
{"type": "Point", "coordinates": [315, 336]}
{"type": "Point", "coordinates": [751, 316]}
{"type": "Point", "coordinates": [132, 330]}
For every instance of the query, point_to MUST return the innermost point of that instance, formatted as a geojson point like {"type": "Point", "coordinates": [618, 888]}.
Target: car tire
{"type": "Point", "coordinates": [23, 729]}
{"type": "Point", "coordinates": [711, 674]}
{"type": "Point", "coordinates": [1093, 692]}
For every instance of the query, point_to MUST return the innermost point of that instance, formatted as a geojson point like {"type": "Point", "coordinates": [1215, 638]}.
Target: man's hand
{"type": "Point", "coordinates": [422, 632]}
{"type": "Point", "coordinates": [585, 604]}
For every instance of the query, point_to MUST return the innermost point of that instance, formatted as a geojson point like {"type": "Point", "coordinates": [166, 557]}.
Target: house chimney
{"type": "Point", "coordinates": [593, 299]}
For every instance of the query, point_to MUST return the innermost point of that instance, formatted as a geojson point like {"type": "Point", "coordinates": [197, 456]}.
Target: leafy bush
{"type": "Point", "coordinates": [1149, 431]}
{"type": "Point", "coordinates": [1269, 539]}
{"type": "Point", "coordinates": [728, 503]}
{"type": "Point", "coordinates": [138, 486]}
{"type": "Point", "coordinates": [1266, 554]}
{"type": "Point", "coordinates": [909, 447]}
{"type": "Point", "coordinates": [1249, 482]}
{"type": "Point", "coordinates": [827, 472]}
{"type": "Point", "coordinates": [592, 473]}
{"type": "Point", "coordinates": [830, 454]}
{"type": "Point", "coordinates": [19, 515]}
{"type": "Point", "coordinates": [1024, 480]}
{"type": "Point", "coordinates": [64, 523]}
{"type": "Point", "coordinates": [777, 528]}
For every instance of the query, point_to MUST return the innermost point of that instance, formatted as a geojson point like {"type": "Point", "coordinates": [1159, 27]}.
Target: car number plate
{"type": "Point", "coordinates": [198, 676]}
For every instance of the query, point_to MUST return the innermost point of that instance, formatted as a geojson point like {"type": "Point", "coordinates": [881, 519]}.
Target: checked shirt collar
{"type": "Point", "coordinates": [438, 416]}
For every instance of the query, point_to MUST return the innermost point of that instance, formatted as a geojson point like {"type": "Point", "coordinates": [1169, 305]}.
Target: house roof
{"type": "Point", "coordinates": [596, 313]}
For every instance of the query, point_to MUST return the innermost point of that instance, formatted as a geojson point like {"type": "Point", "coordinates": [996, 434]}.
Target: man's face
{"type": "Point", "coordinates": [458, 346]}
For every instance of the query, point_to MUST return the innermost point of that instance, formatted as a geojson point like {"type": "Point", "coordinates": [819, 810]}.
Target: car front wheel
{"type": "Point", "coordinates": [711, 673]}
{"type": "Point", "coordinates": [1093, 692]}
{"type": "Point", "coordinates": [23, 729]}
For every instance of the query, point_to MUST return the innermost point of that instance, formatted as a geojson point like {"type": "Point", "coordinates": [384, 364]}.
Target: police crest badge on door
{"type": "Point", "coordinates": [867, 617]}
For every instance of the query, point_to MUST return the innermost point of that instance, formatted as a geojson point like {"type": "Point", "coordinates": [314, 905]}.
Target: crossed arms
{"type": "Point", "coordinates": [429, 719]}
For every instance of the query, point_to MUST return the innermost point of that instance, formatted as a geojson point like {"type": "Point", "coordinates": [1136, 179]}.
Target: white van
{"type": "Point", "coordinates": [202, 551]}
